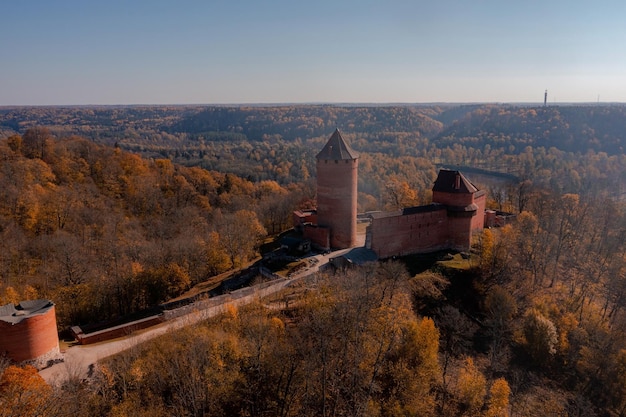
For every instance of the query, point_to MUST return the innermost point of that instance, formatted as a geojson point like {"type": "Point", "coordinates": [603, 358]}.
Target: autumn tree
{"type": "Point", "coordinates": [156, 285]}
{"type": "Point", "coordinates": [472, 387]}
{"type": "Point", "coordinates": [500, 308]}
{"type": "Point", "coordinates": [23, 393]}
{"type": "Point", "coordinates": [495, 254]}
{"type": "Point", "coordinates": [456, 332]}
{"type": "Point", "coordinates": [216, 257]}
{"type": "Point", "coordinates": [522, 195]}
{"type": "Point", "coordinates": [268, 366]}
{"type": "Point", "coordinates": [411, 372]}
{"type": "Point", "coordinates": [540, 336]}
{"type": "Point", "coordinates": [565, 226]}
{"type": "Point", "coordinates": [275, 205]}
{"type": "Point", "coordinates": [487, 249]}
{"type": "Point", "coordinates": [10, 295]}
{"type": "Point", "coordinates": [498, 399]}
{"type": "Point", "coordinates": [15, 143]}
{"type": "Point", "coordinates": [197, 380]}
{"type": "Point", "coordinates": [399, 194]}
{"type": "Point", "coordinates": [36, 142]}
{"type": "Point", "coordinates": [30, 293]}
{"type": "Point", "coordinates": [239, 235]}
{"type": "Point", "coordinates": [532, 244]}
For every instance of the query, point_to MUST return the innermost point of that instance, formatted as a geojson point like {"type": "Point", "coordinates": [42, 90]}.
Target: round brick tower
{"type": "Point", "coordinates": [29, 332]}
{"type": "Point", "coordinates": [337, 178]}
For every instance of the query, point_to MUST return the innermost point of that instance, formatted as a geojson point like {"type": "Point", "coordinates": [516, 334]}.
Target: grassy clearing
{"type": "Point", "coordinates": [456, 263]}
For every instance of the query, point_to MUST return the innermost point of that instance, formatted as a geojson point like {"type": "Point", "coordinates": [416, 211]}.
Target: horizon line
{"type": "Point", "coordinates": [328, 103]}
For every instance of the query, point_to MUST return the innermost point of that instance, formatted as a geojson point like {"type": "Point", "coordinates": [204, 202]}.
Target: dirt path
{"type": "Point", "coordinates": [79, 359]}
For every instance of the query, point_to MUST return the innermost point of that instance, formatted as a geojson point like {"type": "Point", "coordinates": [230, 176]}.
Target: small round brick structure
{"type": "Point", "coordinates": [29, 332]}
{"type": "Point", "coordinates": [337, 179]}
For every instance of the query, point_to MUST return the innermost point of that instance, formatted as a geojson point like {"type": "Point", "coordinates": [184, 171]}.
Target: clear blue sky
{"type": "Point", "coordinates": [242, 51]}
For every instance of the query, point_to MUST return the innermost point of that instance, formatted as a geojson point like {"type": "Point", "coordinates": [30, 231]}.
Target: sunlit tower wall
{"type": "Point", "coordinates": [337, 178]}
{"type": "Point", "coordinates": [28, 332]}
{"type": "Point", "coordinates": [465, 205]}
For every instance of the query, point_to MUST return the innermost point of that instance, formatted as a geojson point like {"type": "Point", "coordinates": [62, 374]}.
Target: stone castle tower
{"type": "Point", "coordinates": [456, 212]}
{"type": "Point", "coordinates": [465, 205]}
{"type": "Point", "coordinates": [337, 177]}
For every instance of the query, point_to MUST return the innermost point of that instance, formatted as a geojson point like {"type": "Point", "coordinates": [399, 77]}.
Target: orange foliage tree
{"type": "Point", "coordinates": [23, 392]}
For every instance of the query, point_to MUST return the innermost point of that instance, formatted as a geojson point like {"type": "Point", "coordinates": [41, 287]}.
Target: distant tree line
{"type": "Point", "coordinates": [569, 148]}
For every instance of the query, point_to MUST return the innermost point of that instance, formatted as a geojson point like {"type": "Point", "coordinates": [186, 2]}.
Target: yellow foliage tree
{"type": "Point", "coordinates": [239, 235]}
{"type": "Point", "coordinates": [472, 387]}
{"type": "Point", "coordinates": [486, 249]}
{"type": "Point", "coordinates": [30, 293]}
{"type": "Point", "coordinates": [216, 257]}
{"type": "Point", "coordinates": [499, 399]}
{"type": "Point", "coordinates": [15, 143]}
{"type": "Point", "coordinates": [399, 194]}
{"type": "Point", "coordinates": [23, 392]}
{"type": "Point", "coordinates": [11, 296]}
{"type": "Point", "coordinates": [177, 278]}
{"type": "Point", "coordinates": [412, 370]}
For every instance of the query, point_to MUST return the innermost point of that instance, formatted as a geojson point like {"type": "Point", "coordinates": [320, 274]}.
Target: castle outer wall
{"type": "Point", "coordinates": [458, 209]}
{"type": "Point", "coordinates": [408, 231]}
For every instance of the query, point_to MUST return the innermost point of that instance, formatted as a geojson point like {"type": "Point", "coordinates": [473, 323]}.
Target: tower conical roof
{"type": "Point", "coordinates": [450, 181]}
{"type": "Point", "coordinates": [337, 149]}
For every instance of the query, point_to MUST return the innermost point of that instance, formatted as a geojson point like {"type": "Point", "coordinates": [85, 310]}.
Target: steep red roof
{"type": "Point", "coordinates": [449, 181]}
{"type": "Point", "coordinates": [337, 149]}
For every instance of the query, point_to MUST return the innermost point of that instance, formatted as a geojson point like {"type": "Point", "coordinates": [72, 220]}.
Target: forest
{"type": "Point", "coordinates": [113, 211]}
{"type": "Point", "coordinates": [105, 233]}
{"type": "Point", "coordinates": [568, 148]}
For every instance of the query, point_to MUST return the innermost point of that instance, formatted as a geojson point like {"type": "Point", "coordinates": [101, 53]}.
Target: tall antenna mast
{"type": "Point", "coordinates": [545, 98]}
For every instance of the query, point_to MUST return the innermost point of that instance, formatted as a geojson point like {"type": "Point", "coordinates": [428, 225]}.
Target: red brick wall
{"type": "Point", "coordinates": [299, 218]}
{"type": "Point", "coordinates": [453, 199]}
{"type": "Point", "coordinates": [424, 232]}
{"type": "Point", "coordinates": [319, 236]}
{"type": "Point", "coordinates": [32, 337]}
{"type": "Point", "coordinates": [118, 331]}
{"type": "Point", "coordinates": [406, 234]}
{"type": "Point", "coordinates": [460, 232]}
{"type": "Point", "coordinates": [478, 221]}
{"type": "Point", "coordinates": [337, 200]}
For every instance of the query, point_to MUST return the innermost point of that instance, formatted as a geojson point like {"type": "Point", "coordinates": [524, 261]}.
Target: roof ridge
{"type": "Point", "coordinates": [337, 149]}
{"type": "Point", "coordinates": [453, 181]}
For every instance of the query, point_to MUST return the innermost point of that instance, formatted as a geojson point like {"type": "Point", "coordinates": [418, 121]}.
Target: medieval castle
{"type": "Point", "coordinates": [29, 331]}
{"type": "Point", "coordinates": [457, 210]}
